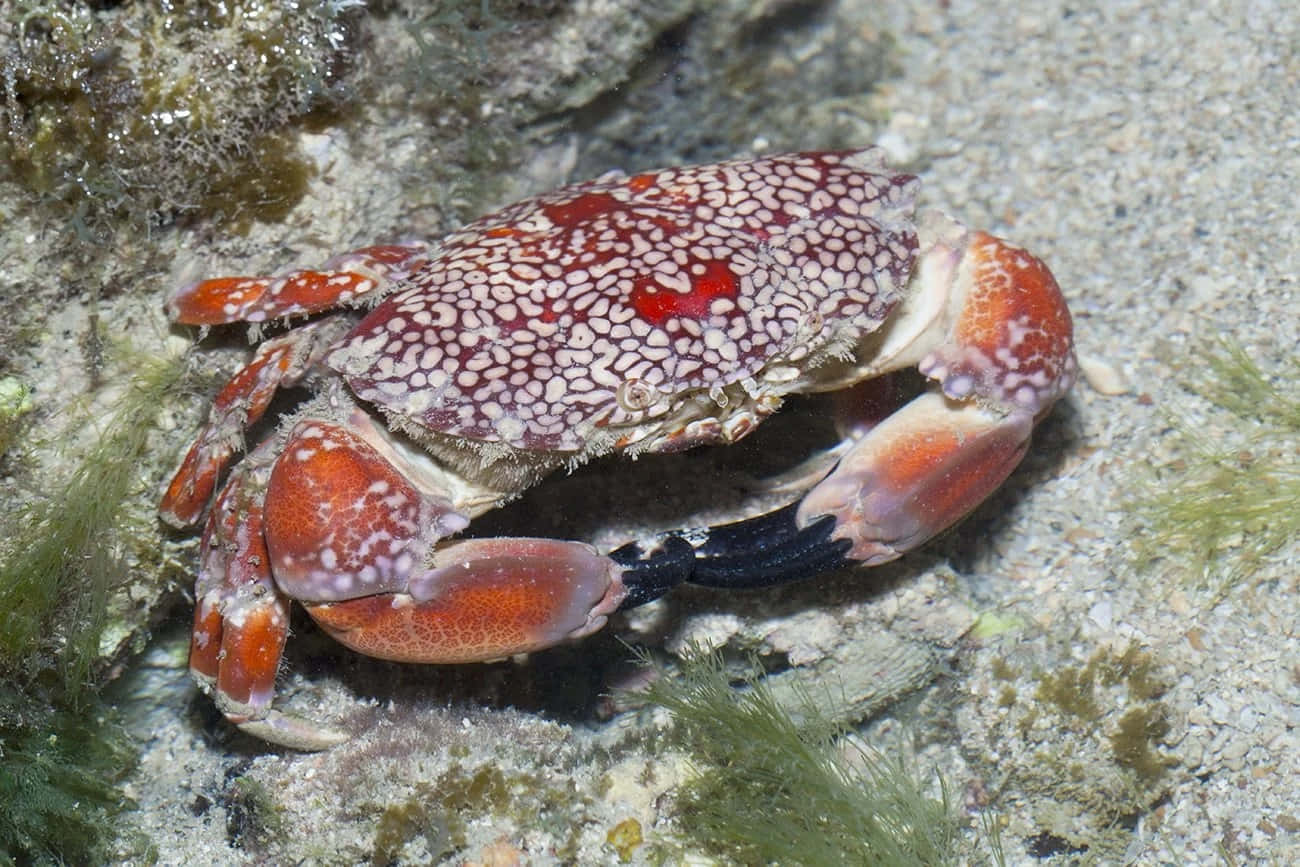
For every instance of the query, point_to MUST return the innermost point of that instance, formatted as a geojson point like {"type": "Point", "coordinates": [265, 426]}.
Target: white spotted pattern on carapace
{"type": "Point", "coordinates": [523, 325]}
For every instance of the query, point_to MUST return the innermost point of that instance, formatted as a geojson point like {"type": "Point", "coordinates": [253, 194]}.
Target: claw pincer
{"type": "Point", "coordinates": [643, 314]}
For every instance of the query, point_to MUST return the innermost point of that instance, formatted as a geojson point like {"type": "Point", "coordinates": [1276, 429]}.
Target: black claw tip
{"type": "Point", "coordinates": [649, 574]}
{"type": "Point", "coordinates": [759, 552]}
{"type": "Point", "coordinates": [770, 549]}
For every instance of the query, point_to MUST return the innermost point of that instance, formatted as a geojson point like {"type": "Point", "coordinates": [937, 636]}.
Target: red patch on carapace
{"type": "Point", "coordinates": [585, 207]}
{"type": "Point", "coordinates": [640, 183]}
{"type": "Point", "coordinates": [657, 304]}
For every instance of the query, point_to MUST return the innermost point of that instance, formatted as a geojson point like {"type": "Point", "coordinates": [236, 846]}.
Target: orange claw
{"type": "Point", "coordinates": [1013, 342]}
{"type": "Point", "coordinates": [1008, 357]}
{"type": "Point", "coordinates": [343, 522]}
{"type": "Point", "coordinates": [484, 599]}
{"type": "Point", "coordinates": [342, 525]}
{"type": "Point", "coordinates": [915, 474]}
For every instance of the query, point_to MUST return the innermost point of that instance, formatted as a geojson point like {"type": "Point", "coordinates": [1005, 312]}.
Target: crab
{"type": "Point", "coordinates": [635, 314]}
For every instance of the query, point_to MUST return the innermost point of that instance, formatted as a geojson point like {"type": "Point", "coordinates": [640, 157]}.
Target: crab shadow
{"type": "Point", "coordinates": [614, 499]}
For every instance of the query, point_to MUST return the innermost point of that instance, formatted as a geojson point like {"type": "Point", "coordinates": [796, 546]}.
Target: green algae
{"type": "Point", "coordinates": [15, 403]}
{"type": "Point", "coordinates": [1221, 506]}
{"type": "Point", "coordinates": [820, 796]}
{"type": "Point", "coordinates": [1082, 692]}
{"type": "Point", "coordinates": [58, 563]}
{"type": "Point", "coordinates": [137, 112]}
{"type": "Point", "coordinates": [58, 780]}
{"type": "Point", "coordinates": [61, 752]}
{"type": "Point", "coordinates": [625, 838]}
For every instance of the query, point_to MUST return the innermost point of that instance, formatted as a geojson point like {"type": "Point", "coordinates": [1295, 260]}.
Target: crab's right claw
{"type": "Point", "coordinates": [651, 570]}
{"type": "Point", "coordinates": [770, 549]}
{"type": "Point", "coordinates": [356, 531]}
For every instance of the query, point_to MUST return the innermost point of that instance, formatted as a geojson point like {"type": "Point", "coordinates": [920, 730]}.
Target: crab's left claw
{"type": "Point", "coordinates": [1005, 359]}
{"type": "Point", "coordinates": [915, 474]}
{"type": "Point", "coordinates": [355, 531]}
{"type": "Point", "coordinates": [1000, 360]}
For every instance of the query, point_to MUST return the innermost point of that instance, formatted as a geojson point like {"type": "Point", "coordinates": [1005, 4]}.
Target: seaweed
{"type": "Point", "coordinates": [15, 403]}
{"type": "Point", "coordinates": [59, 562]}
{"type": "Point", "coordinates": [133, 113]}
{"type": "Point", "coordinates": [61, 750]}
{"type": "Point", "coordinates": [58, 774]}
{"type": "Point", "coordinates": [1219, 508]}
{"type": "Point", "coordinates": [1132, 740]}
{"type": "Point", "coordinates": [822, 796]}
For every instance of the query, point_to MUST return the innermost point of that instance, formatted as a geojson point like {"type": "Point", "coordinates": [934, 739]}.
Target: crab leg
{"type": "Point", "coordinates": [240, 404]}
{"type": "Point", "coordinates": [1000, 364]}
{"type": "Point", "coordinates": [342, 281]}
{"type": "Point", "coordinates": [279, 362]}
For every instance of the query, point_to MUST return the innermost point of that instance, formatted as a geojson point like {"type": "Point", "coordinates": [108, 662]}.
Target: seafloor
{"type": "Point", "coordinates": [1150, 153]}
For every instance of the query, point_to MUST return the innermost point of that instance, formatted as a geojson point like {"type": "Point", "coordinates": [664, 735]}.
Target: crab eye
{"type": "Point", "coordinates": [635, 395]}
